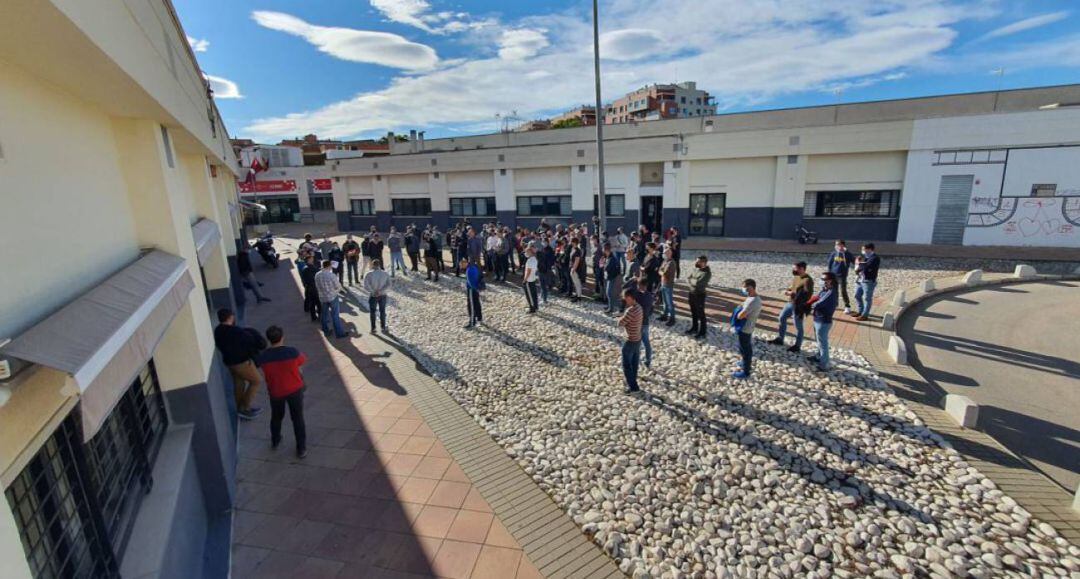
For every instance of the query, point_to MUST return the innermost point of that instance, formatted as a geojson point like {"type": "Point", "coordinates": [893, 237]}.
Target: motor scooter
{"type": "Point", "coordinates": [265, 246]}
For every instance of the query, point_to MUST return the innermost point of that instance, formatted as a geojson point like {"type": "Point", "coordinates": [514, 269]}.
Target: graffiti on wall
{"type": "Point", "coordinates": [1026, 218]}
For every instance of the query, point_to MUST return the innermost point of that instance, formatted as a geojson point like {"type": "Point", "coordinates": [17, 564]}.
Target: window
{"type": "Point", "coordinates": [1043, 190]}
{"type": "Point", "coordinates": [363, 206]}
{"type": "Point", "coordinates": [472, 206]}
{"type": "Point", "coordinates": [168, 147]}
{"type": "Point", "coordinates": [322, 202]}
{"type": "Point", "coordinates": [418, 207]}
{"type": "Point", "coordinates": [74, 503]}
{"type": "Point", "coordinates": [682, 100]}
{"type": "Point", "coordinates": [543, 205]}
{"type": "Point", "coordinates": [707, 214]}
{"type": "Point", "coordinates": [792, 159]}
{"type": "Point", "coordinates": [847, 204]}
{"type": "Point", "coordinates": [614, 205]}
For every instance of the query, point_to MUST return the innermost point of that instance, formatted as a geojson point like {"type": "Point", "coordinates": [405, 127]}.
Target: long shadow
{"type": "Point", "coordinates": [997, 353]}
{"type": "Point", "coordinates": [370, 531]}
{"type": "Point", "coordinates": [789, 461]}
{"type": "Point", "coordinates": [1048, 442]}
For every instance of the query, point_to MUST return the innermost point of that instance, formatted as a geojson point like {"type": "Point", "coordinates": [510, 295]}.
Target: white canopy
{"type": "Point", "coordinates": [206, 234]}
{"type": "Point", "coordinates": [103, 338]}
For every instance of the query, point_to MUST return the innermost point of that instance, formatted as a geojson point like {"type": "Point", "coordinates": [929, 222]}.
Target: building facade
{"type": "Point", "coordinates": [584, 114]}
{"type": "Point", "coordinates": [117, 441]}
{"type": "Point", "coordinates": [996, 168]}
{"type": "Point", "coordinates": [661, 102]}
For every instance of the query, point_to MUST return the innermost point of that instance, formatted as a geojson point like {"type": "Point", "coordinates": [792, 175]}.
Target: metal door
{"type": "Point", "coordinates": [954, 198]}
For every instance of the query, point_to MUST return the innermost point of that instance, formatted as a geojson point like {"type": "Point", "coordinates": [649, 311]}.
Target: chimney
{"type": "Point", "coordinates": [420, 136]}
{"type": "Point", "coordinates": [412, 140]}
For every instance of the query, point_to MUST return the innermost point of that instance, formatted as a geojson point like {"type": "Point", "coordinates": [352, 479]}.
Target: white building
{"type": "Point", "coordinates": [998, 168]}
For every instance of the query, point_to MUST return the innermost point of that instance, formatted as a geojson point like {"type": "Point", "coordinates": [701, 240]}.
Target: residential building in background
{"type": "Point", "coordinates": [660, 102]}
{"type": "Point", "coordinates": [952, 169]}
{"type": "Point", "coordinates": [117, 433]}
{"type": "Point", "coordinates": [581, 116]}
{"type": "Point", "coordinates": [535, 125]}
{"type": "Point", "coordinates": [315, 149]}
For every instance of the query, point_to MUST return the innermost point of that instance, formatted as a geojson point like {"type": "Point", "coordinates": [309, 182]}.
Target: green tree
{"type": "Point", "coordinates": [567, 123]}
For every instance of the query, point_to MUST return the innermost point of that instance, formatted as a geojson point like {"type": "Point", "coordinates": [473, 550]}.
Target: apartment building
{"type": "Point", "coordinates": [586, 115]}
{"type": "Point", "coordinates": [993, 168]}
{"type": "Point", "coordinates": [117, 440]}
{"type": "Point", "coordinates": [660, 102]}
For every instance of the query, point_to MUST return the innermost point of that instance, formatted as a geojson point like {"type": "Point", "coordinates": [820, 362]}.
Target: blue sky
{"type": "Point", "coordinates": [358, 68]}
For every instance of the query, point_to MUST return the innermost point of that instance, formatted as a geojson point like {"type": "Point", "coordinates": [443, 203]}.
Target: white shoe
{"type": "Point", "coordinates": [847, 311]}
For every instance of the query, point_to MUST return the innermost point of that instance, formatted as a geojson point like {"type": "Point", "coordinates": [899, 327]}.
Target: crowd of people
{"type": "Point", "coordinates": [633, 277]}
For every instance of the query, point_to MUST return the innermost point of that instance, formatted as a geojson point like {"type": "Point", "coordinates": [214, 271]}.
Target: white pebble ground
{"type": "Point", "coordinates": [788, 474]}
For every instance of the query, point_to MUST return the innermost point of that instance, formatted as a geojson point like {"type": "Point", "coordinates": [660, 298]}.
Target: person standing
{"type": "Point", "coordinates": [337, 257]}
{"type": "Point", "coordinates": [311, 295]}
{"type": "Point", "coordinates": [675, 243]}
{"type": "Point", "coordinates": [667, 286]}
{"type": "Point", "coordinates": [352, 258]}
{"type": "Point", "coordinates": [798, 294]}
{"type": "Point", "coordinates": [699, 283]}
{"type": "Point", "coordinates": [412, 246]}
{"type": "Point", "coordinates": [612, 269]}
{"type": "Point", "coordinates": [743, 320]}
{"type": "Point", "coordinates": [650, 266]}
{"type": "Point", "coordinates": [598, 261]}
{"type": "Point", "coordinates": [285, 384]}
{"type": "Point", "coordinates": [239, 347]}
{"type": "Point", "coordinates": [577, 264]}
{"type": "Point", "coordinates": [530, 277]}
{"type": "Point", "coordinates": [840, 262]}
{"type": "Point", "coordinates": [376, 284]}
{"type": "Point", "coordinates": [823, 306]}
{"type": "Point", "coordinates": [437, 237]}
{"type": "Point", "coordinates": [474, 246]}
{"type": "Point", "coordinates": [631, 348]}
{"type": "Point", "coordinates": [395, 243]}
{"type": "Point", "coordinates": [645, 299]}
{"type": "Point", "coordinates": [325, 246]}
{"type": "Point", "coordinates": [431, 256]}
{"type": "Point", "coordinates": [619, 245]}
{"type": "Point", "coordinates": [374, 251]}
{"type": "Point", "coordinates": [474, 279]}
{"type": "Point", "coordinates": [866, 270]}
{"type": "Point", "coordinates": [330, 297]}
{"type": "Point", "coordinates": [247, 275]}
{"type": "Point", "coordinates": [546, 261]}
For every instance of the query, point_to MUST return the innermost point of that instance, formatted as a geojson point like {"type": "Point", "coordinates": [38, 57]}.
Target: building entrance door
{"type": "Point", "coordinates": [652, 211]}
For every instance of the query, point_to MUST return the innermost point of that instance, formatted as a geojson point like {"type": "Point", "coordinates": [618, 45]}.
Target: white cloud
{"type": "Point", "coordinates": [521, 43]}
{"type": "Point", "coordinates": [1025, 24]}
{"type": "Point", "coordinates": [418, 14]}
{"type": "Point", "coordinates": [354, 45]}
{"type": "Point", "coordinates": [223, 88]}
{"type": "Point", "coordinates": [761, 49]}
{"type": "Point", "coordinates": [198, 44]}
{"type": "Point", "coordinates": [630, 44]}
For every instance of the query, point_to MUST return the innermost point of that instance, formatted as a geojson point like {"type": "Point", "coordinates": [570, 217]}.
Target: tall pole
{"type": "Point", "coordinates": [600, 199]}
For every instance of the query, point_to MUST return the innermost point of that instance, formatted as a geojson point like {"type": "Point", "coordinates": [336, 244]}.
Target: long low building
{"type": "Point", "coordinates": [993, 168]}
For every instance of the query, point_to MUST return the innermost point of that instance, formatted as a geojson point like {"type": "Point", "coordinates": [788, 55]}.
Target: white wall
{"type": "Point", "coordinates": [416, 184]}
{"type": "Point", "coordinates": [747, 182]}
{"type": "Point", "coordinates": [543, 180]}
{"type": "Point", "coordinates": [1026, 167]}
{"type": "Point", "coordinates": [856, 171]}
{"type": "Point", "coordinates": [360, 186]}
{"type": "Point", "coordinates": [468, 182]}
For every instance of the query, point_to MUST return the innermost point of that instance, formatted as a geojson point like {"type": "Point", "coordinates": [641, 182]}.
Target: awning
{"type": "Point", "coordinates": [206, 234]}
{"type": "Point", "coordinates": [103, 338]}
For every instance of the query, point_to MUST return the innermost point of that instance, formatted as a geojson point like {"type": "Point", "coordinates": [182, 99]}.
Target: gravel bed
{"type": "Point", "coordinates": [773, 270]}
{"type": "Point", "coordinates": [789, 474]}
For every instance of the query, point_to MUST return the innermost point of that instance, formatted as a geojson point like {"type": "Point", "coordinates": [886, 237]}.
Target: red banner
{"type": "Point", "coordinates": [278, 186]}
{"type": "Point", "coordinates": [322, 184]}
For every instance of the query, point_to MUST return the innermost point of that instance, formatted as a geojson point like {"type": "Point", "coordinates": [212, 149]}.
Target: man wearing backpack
{"type": "Point", "coordinates": [798, 293]}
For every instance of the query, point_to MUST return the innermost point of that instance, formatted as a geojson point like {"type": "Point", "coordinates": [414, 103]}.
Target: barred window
{"type": "Point", "coordinates": [363, 206]}
{"type": "Point", "coordinates": [75, 503]}
{"type": "Point", "coordinates": [543, 205]}
{"type": "Point", "coordinates": [614, 205]}
{"type": "Point", "coordinates": [854, 204]}
{"type": "Point", "coordinates": [418, 207]}
{"type": "Point", "coordinates": [472, 206]}
{"type": "Point", "coordinates": [322, 202]}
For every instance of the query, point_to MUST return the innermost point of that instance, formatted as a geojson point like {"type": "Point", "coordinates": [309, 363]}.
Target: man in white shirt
{"type": "Point", "coordinates": [531, 277]}
{"type": "Point", "coordinates": [745, 317]}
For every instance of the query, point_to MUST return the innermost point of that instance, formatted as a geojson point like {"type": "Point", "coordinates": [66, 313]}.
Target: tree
{"type": "Point", "coordinates": [397, 139]}
{"type": "Point", "coordinates": [567, 123]}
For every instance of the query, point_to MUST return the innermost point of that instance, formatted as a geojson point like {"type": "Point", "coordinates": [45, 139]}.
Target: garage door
{"type": "Point", "coordinates": [954, 198]}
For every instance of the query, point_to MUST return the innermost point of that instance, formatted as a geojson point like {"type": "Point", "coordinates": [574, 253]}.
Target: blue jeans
{"type": "Point", "coordinates": [746, 348]}
{"type": "Point", "coordinates": [822, 331]}
{"type": "Point", "coordinates": [788, 312]}
{"type": "Point", "coordinates": [612, 299]}
{"type": "Point", "coordinates": [332, 310]}
{"type": "Point", "coordinates": [668, 295]}
{"type": "Point", "coordinates": [864, 297]}
{"type": "Point", "coordinates": [621, 256]}
{"type": "Point", "coordinates": [648, 345]}
{"type": "Point", "coordinates": [397, 260]}
{"type": "Point", "coordinates": [631, 357]}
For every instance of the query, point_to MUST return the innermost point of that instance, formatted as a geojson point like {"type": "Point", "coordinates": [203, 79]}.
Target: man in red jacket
{"type": "Point", "coordinates": [285, 384]}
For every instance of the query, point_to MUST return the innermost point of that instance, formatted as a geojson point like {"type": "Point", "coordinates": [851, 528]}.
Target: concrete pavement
{"type": "Point", "coordinates": [1012, 349]}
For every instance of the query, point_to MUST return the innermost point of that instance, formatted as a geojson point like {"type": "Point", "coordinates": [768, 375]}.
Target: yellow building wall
{"type": "Point", "coordinates": [862, 170]}
{"type": "Point", "coordinates": [747, 182]}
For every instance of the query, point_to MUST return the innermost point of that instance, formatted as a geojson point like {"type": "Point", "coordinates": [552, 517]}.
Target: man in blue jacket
{"type": "Point", "coordinates": [612, 269]}
{"type": "Point", "coordinates": [473, 279]}
{"type": "Point", "coordinates": [840, 262]}
{"type": "Point", "coordinates": [823, 306]}
{"type": "Point", "coordinates": [866, 270]}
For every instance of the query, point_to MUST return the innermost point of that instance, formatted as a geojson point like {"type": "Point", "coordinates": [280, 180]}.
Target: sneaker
{"type": "Point", "coordinates": [301, 453]}
{"type": "Point", "coordinates": [631, 390]}
{"type": "Point", "coordinates": [384, 330]}
{"type": "Point", "coordinates": [741, 375]}
{"type": "Point", "coordinates": [692, 330]}
{"type": "Point", "coordinates": [794, 349]}
{"type": "Point", "coordinates": [813, 359]}
{"type": "Point", "coordinates": [372, 329]}
{"type": "Point", "coordinates": [847, 311]}
{"type": "Point", "coordinates": [776, 341]}
{"type": "Point", "coordinates": [469, 326]}
{"type": "Point", "coordinates": [250, 413]}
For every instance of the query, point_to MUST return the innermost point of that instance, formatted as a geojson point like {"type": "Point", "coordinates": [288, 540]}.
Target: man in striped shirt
{"type": "Point", "coordinates": [631, 349]}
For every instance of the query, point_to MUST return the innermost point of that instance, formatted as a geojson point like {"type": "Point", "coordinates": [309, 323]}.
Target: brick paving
{"type": "Point", "coordinates": [1011, 253]}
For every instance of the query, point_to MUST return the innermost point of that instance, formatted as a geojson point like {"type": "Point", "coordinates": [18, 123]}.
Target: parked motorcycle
{"type": "Point", "coordinates": [804, 235]}
{"type": "Point", "coordinates": [265, 246]}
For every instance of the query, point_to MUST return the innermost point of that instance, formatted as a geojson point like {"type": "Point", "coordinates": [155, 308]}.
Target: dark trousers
{"type": "Point", "coordinates": [340, 271]}
{"type": "Point", "coordinates": [697, 313]}
{"type": "Point", "coordinates": [746, 348]}
{"type": "Point", "coordinates": [380, 303]}
{"type": "Point", "coordinates": [311, 302]}
{"type": "Point", "coordinates": [354, 275]}
{"type": "Point", "coordinates": [842, 281]}
{"type": "Point", "coordinates": [414, 257]}
{"type": "Point", "coordinates": [531, 295]}
{"type": "Point", "coordinates": [472, 299]}
{"type": "Point", "coordinates": [295, 403]}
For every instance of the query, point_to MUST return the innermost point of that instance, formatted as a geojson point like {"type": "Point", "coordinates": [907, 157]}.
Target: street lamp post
{"type": "Point", "coordinates": [600, 199]}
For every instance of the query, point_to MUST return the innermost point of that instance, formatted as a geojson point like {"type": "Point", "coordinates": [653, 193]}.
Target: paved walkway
{"type": "Point", "coordinates": [379, 494]}
{"type": "Point", "coordinates": [1008, 349]}
{"type": "Point", "coordinates": [1019, 254]}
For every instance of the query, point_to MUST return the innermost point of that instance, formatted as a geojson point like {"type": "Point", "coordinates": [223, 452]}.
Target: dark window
{"type": "Point", "coordinates": [168, 147]}
{"type": "Point", "coordinates": [857, 204]}
{"type": "Point", "coordinates": [543, 205]}
{"type": "Point", "coordinates": [278, 210]}
{"type": "Point", "coordinates": [707, 214]}
{"type": "Point", "coordinates": [1043, 190]}
{"type": "Point", "coordinates": [614, 205]}
{"type": "Point", "coordinates": [408, 207]}
{"type": "Point", "coordinates": [75, 503]}
{"type": "Point", "coordinates": [472, 206]}
{"type": "Point", "coordinates": [322, 202]}
{"type": "Point", "coordinates": [363, 206]}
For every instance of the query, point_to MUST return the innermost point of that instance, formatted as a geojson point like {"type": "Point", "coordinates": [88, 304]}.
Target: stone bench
{"type": "Point", "coordinates": [962, 409]}
{"type": "Point", "coordinates": [973, 277]}
{"type": "Point", "coordinates": [1024, 271]}
{"type": "Point", "coordinates": [897, 350]}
